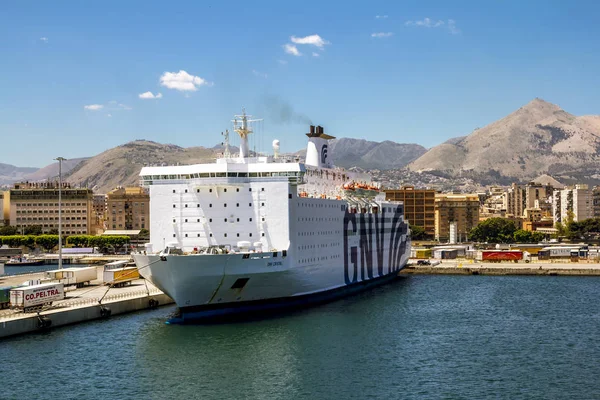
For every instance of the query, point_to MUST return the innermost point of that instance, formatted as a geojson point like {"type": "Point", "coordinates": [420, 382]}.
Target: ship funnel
{"type": "Point", "coordinates": [317, 149]}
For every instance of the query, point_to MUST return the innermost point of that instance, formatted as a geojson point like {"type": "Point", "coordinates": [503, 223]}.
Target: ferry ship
{"type": "Point", "coordinates": [253, 233]}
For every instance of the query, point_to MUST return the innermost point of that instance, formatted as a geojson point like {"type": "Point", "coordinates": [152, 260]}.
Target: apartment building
{"type": "Point", "coordinates": [32, 204]}
{"type": "Point", "coordinates": [127, 209]}
{"type": "Point", "coordinates": [458, 213]}
{"type": "Point", "coordinates": [514, 200]}
{"type": "Point", "coordinates": [419, 206]}
{"type": "Point", "coordinates": [577, 200]}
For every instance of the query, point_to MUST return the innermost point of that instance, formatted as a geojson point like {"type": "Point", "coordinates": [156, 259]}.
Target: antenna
{"type": "Point", "coordinates": [226, 153]}
{"type": "Point", "coordinates": [241, 125]}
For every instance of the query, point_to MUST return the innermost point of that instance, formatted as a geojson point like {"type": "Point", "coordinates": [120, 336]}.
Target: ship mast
{"type": "Point", "coordinates": [241, 125]}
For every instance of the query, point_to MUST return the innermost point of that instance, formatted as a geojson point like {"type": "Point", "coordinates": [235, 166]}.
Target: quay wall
{"type": "Point", "coordinates": [32, 322]}
{"type": "Point", "coordinates": [458, 268]}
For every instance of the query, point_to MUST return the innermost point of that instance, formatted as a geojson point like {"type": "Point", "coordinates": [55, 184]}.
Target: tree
{"type": "Point", "coordinates": [523, 236]}
{"type": "Point", "coordinates": [418, 233]}
{"type": "Point", "coordinates": [494, 230]}
{"type": "Point", "coordinates": [8, 230]}
{"type": "Point", "coordinates": [145, 233]}
{"type": "Point", "coordinates": [13, 240]}
{"type": "Point", "coordinates": [47, 242]}
{"type": "Point", "coordinates": [33, 230]}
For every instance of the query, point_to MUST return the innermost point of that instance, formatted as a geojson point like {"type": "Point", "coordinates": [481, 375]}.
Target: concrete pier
{"type": "Point", "coordinates": [466, 267]}
{"type": "Point", "coordinates": [80, 305]}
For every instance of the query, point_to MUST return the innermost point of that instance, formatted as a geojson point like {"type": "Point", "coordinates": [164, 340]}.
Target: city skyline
{"type": "Point", "coordinates": [82, 78]}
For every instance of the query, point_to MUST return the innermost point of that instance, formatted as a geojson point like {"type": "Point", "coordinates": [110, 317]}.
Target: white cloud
{"type": "Point", "coordinates": [183, 81]}
{"type": "Point", "coordinates": [452, 27]}
{"type": "Point", "coordinates": [429, 23]}
{"type": "Point", "coordinates": [109, 115]}
{"type": "Point", "coordinates": [282, 62]}
{"type": "Point", "coordinates": [94, 107]}
{"type": "Point", "coordinates": [291, 49]}
{"type": "Point", "coordinates": [259, 74]}
{"type": "Point", "coordinates": [315, 54]}
{"type": "Point", "coordinates": [314, 40]}
{"type": "Point", "coordinates": [381, 34]}
{"type": "Point", "coordinates": [150, 95]}
{"type": "Point", "coordinates": [124, 107]}
{"type": "Point", "coordinates": [381, 16]}
{"type": "Point", "coordinates": [44, 39]}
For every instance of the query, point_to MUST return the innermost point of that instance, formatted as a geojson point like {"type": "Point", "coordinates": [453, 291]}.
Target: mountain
{"type": "Point", "coordinates": [121, 165]}
{"type": "Point", "coordinates": [366, 154]}
{"type": "Point", "coordinates": [539, 138]}
{"type": "Point", "coordinates": [51, 171]}
{"type": "Point", "coordinates": [10, 173]}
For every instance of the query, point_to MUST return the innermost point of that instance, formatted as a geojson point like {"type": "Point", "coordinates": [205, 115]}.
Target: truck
{"type": "Point", "coordinates": [71, 276]}
{"type": "Point", "coordinates": [34, 297]}
{"type": "Point", "coordinates": [5, 296]}
{"type": "Point", "coordinates": [117, 274]}
{"type": "Point", "coordinates": [502, 255]}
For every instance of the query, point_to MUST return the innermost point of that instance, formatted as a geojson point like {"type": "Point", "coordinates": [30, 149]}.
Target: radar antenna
{"type": "Point", "coordinates": [242, 126]}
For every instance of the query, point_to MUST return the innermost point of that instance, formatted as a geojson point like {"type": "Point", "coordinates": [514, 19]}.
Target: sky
{"type": "Point", "coordinates": [78, 78]}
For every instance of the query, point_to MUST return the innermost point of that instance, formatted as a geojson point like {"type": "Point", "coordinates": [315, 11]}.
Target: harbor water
{"type": "Point", "coordinates": [421, 337]}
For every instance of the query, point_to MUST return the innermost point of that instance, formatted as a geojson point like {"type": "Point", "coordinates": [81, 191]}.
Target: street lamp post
{"type": "Point", "coordinates": [60, 160]}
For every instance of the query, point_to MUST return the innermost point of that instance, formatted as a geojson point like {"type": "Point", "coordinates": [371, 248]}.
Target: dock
{"type": "Point", "coordinates": [88, 303]}
{"type": "Point", "coordinates": [466, 267]}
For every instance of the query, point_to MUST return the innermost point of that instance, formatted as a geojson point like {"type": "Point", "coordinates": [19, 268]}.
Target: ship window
{"type": "Point", "coordinates": [237, 204]}
{"type": "Point", "coordinates": [262, 204]}
{"type": "Point", "coordinates": [242, 174]}
{"type": "Point", "coordinates": [263, 234]}
{"type": "Point", "coordinates": [238, 235]}
{"type": "Point", "coordinates": [173, 190]}
{"type": "Point", "coordinates": [186, 220]}
{"type": "Point", "coordinates": [173, 235]}
{"type": "Point", "coordinates": [263, 218]}
{"type": "Point", "coordinates": [274, 254]}
{"type": "Point", "coordinates": [284, 253]}
{"type": "Point", "coordinates": [289, 195]}
{"type": "Point", "coordinates": [249, 189]}
{"type": "Point", "coordinates": [250, 204]}
{"type": "Point", "coordinates": [173, 220]}
{"type": "Point", "coordinates": [186, 235]}
{"type": "Point", "coordinates": [225, 205]}
{"type": "Point", "coordinates": [211, 235]}
{"type": "Point", "coordinates": [225, 234]}
{"type": "Point", "coordinates": [210, 220]}
{"type": "Point", "coordinates": [262, 189]}
{"type": "Point", "coordinates": [173, 205]}
{"type": "Point", "coordinates": [198, 220]}
{"type": "Point", "coordinates": [210, 205]}
{"type": "Point", "coordinates": [197, 205]}
{"type": "Point", "coordinates": [237, 190]}
{"type": "Point", "coordinates": [197, 190]}
{"type": "Point", "coordinates": [250, 219]}
{"type": "Point", "coordinates": [186, 190]}
{"type": "Point", "coordinates": [250, 235]}
{"type": "Point", "coordinates": [225, 190]}
{"type": "Point", "coordinates": [204, 175]}
{"type": "Point", "coordinates": [186, 206]}
{"type": "Point", "coordinates": [198, 235]}
{"type": "Point", "coordinates": [238, 220]}
{"type": "Point", "coordinates": [210, 190]}
{"type": "Point", "coordinates": [225, 219]}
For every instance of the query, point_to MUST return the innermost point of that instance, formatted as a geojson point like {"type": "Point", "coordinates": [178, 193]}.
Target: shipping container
{"type": "Point", "coordinates": [421, 253]}
{"type": "Point", "coordinates": [72, 276]}
{"type": "Point", "coordinates": [27, 297]}
{"type": "Point", "coordinates": [118, 274]}
{"type": "Point", "coordinates": [499, 255]}
{"type": "Point", "coordinates": [445, 254]}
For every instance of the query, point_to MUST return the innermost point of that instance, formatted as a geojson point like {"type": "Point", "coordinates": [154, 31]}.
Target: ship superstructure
{"type": "Point", "coordinates": [254, 233]}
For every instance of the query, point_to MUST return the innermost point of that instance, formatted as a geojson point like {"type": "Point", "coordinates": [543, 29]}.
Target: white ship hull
{"type": "Point", "coordinates": [209, 286]}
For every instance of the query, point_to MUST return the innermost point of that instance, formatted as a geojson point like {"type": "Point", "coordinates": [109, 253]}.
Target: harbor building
{"type": "Point", "coordinates": [99, 213]}
{"type": "Point", "coordinates": [31, 204]}
{"type": "Point", "coordinates": [3, 210]}
{"type": "Point", "coordinates": [127, 208]}
{"type": "Point", "coordinates": [419, 206]}
{"type": "Point", "coordinates": [455, 215]}
{"type": "Point", "coordinates": [577, 200]}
